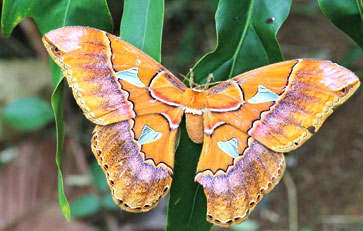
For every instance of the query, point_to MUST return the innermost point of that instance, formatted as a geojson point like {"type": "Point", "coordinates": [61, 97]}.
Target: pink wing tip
{"type": "Point", "coordinates": [65, 38]}
{"type": "Point", "coordinates": [337, 77]}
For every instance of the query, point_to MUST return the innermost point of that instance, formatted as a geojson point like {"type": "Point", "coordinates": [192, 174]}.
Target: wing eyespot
{"type": "Point", "coordinates": [343, 92]}
{"type": "Point", "coordinates": [56, 51]}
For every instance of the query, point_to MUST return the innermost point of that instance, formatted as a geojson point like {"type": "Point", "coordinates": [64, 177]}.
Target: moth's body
{"type": "Point", "coordinates": [194, 107]}
{"type": "Point", "coordinates": [245, 123]}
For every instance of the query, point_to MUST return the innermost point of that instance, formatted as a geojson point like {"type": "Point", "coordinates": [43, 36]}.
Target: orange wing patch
{"type": "Point", "coordinates": [220, 149]}
{"type": "Point", "coordinates": [227, 96]}
{"type": "Point", "coordinates": [157, 138]}
{"type": "Point", "coordinates": [125, 57]}
{"type": "Point", "coordinates": [274, 77]}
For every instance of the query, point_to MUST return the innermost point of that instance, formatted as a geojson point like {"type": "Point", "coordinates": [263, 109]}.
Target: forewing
{"type": "Point", "coordinates": [111, 80]}
{"type": "Point", "coordinates": [285, 103]}
{"type": "Point", "coordinates": [311, 91]}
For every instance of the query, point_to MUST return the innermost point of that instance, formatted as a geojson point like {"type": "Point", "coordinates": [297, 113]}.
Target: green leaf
{"type": "Point", "coordinates": [57, 105]}
{"type": "Point", "coordinates": [347, 15]}
{"type": "Point", "coordinates": [28, 114]}
{"type": "Point", "coordinates": [246, 39]}
{"type": "Point", "coordinates": [108, 203]}
{"type": "Point", "coordinates": [85, 206]}
{"type": "Point", "coordinates": [352, 57]}
{"type": "Point", "coordinates": [52, 14]}
{"type": "Point", "coordinates": [57, 102]}
{"type": "Point", "coordinates": [248, 225]}
{"type": "Point", "coordinates": [187, 204]}
{"type": "Point", "coordinates": [142, 24]}
{"type": "Point", "coordinates": [98, 177]}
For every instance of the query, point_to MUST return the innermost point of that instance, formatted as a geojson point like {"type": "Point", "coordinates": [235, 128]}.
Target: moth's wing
{"type": "Point", "coordinates": [137, 156]}
{"type": "Point", "coordinates": [302, 94]}
{"type": "Point", "coordinates": [284, 103]}
{"type": "Point", "coordinates": [111, 80]}
{"type": "Point", "coordinates": [244, 119]}
{"type": "Point", "coordinates": [235, 171]}
{"type": "Point", "coordinates": [135, 101]}
{"type": "Point", "coordinates": [233, 195]}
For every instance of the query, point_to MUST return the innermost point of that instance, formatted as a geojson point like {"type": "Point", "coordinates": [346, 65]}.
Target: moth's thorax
{"type": "Point", "coordinates": [195, 100]}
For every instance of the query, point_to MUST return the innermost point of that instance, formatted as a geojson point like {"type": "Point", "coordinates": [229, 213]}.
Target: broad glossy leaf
{"type": "Point", "coordinates": [187, 206]}
{"type": "Point", "coordinates": [245, 40]}
{"type": "Point", "coordinates": [347, 15]}
{"type": "Point", "coordinates": [52, 14]}
{"type": "Point", "coordinates": [142, 24]}
{"type": "Point", "coordinates": [28, 114]}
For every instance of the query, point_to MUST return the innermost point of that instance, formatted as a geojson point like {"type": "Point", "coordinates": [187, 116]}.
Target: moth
{"type": "Point", "coordinates": [245, 123]}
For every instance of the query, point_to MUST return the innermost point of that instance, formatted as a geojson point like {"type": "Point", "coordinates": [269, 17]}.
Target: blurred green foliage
{"type": "Point", "coordinates": [90, 204]}
{"type": "Point", "coordinates": [98, 177]}
{"type": "Point", "coordinates": [248, 225]}
{"type": "Point", "coordinates": [28, 114]}
{"type": "Point", "coordinates": [85, 205]}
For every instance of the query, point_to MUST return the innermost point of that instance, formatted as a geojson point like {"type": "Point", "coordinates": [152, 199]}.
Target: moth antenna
{"type": "Point", "coordinates": [210, 77]}
{"type": "Point", "coordinates": [191, 80]}
{"type": "Point", "coordinates": [184, 77]}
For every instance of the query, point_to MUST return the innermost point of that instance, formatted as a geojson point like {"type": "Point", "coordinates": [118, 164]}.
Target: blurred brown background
{"type": "Point", "coordinates": [323, 185]}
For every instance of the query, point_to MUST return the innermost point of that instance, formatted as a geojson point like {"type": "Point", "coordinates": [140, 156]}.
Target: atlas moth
{"type": "Point", "coordinates": [245, 123]}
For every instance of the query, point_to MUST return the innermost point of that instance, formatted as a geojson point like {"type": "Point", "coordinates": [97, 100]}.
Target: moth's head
{"type": "Point", "coordinates": [63, 40]}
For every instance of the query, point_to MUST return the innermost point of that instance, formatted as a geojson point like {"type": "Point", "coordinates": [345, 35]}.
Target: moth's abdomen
{"type": "Point", "coordinates": [195, 127]}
